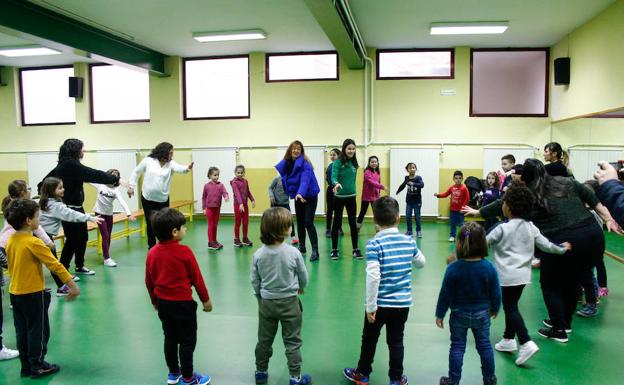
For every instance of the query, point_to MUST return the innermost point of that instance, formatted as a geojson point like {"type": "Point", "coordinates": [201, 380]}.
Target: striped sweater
{"type": "Point", "coordinates": [389, 269]}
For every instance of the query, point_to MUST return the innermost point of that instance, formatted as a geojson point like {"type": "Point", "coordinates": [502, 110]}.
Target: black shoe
{"type": "Point", "coordinates": [550, 333]}
{"type": "Point", "coordinates": [334, 255]}
{"type": "Point", "coordinates": [357, 254]}
{"type": "Point", "coordinates": [327, 233]}
{"type": "Point", "coordinates": [548, 324]}
{"type": "Point", "coordinates": [314, 256]}
{"type": "Point", "coordinates": [446, 381]}
{"type": "Point", "coordinates": [302, 249]}
{"type": "Point", "coordinates": [25, 373]}
{"type": "Point", "coordinates": [45, 370]}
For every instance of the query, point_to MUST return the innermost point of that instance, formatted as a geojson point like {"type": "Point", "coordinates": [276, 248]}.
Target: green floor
{"type": "Point", "coordinates": [112, 335]}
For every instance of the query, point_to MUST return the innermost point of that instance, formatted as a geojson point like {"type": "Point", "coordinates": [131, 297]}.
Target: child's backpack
{"type": "Point", "coordinates": [475, 189]}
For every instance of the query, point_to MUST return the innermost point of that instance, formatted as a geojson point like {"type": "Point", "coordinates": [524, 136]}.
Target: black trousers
{"type": "Point", "coordinates": [32, 328]}
{"type": "Point", "coordinates": [76, 237]}
{"type": "Point", "coordinates": [363, 210]}
{"type": "Point", "coordinates": [305, 221]}
{"type": "Point", "coordinates": [339, 205]}
{"type": "Point", "coordinates": [56, 279]}
{"type": "Point", "coordinates": [179, 323]}
{"type": "Point", "coordinates": [148, 208]}
{"type": "Point", "coordinates": [329, 213]}
{"type": "Point", "coordinates": [394, 319]}
{"type": "Point", "coordinates": [514, 324]}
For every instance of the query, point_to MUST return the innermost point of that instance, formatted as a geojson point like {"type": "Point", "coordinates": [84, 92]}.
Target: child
{"type": "Point", "coordinates": [513, 246]}
{"type": "Point", "coordinates": [388, 291]}
{"type": "Point", "coordinates": [26, 253]}
{"type": "Point", "coordinates": [279, 198]}
{"type": "Point", "coordinates": [507, 163]}
{"type": "Point", "coordinates": [329, 194]}
{"type": "Point", "coordinates": [170, 271]}
{"type": "Point", "coordinates": [278, 274]}
{"type": "Point", "coordinates": [371, 187]}
{"type": "Point", "coordinates": [492, 193]}
{"type": "Point", "coordinates": [240, 189]}
{"type": "Point", "coordinates": [53, 211]}
{"type": "Point", "coordinates": [344, 171]}
{"type": "Point", "coordinates": [459, 198]}
{"type": "Point", "coordinates": [413, 198]}
{"type": "Point", "coordinates": [470, 289]}
{"type": "Point", "coordinates": [214, 191]}
{"type": "Point", "coordinates": [104, 209]}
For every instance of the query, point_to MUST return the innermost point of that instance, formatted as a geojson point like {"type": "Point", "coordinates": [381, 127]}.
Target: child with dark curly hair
{"type": "Point", "coordinates": [513, 245]}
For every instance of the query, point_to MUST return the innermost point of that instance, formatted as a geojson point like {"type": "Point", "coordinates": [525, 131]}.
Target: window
{"type": "Point", "coordinates": [395, 64]}
{"type": "Point", "coordinates": [301, 66]}
{"type": "Point", "coordinates": [118, 94]}
{"type": "Point", "coordinates": [509, 82]}
{"type": "Point", "coordinates": [45, 96]}
{"type": "Point", "coordinates": [216, 87]}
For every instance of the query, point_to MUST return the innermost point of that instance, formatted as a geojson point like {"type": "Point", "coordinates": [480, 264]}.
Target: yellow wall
{"type": "Point", "coordinates": [596, 75]}
{"type": "Point", "coordinates": [589, 132]}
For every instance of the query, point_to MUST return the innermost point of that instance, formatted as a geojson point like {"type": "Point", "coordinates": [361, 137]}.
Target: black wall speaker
{"type": "Point", "coordinates": [562, 71]}
{"type": "Point", "coordinates": [75, 87]}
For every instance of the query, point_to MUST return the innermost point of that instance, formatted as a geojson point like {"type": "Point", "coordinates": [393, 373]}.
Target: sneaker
{"type": "Point", "coordinates": [237, 243]}
{"type": "Point", "coordinates": [548, 324]}
{"type": "Point", "coordinates": [84, 270]}
{"type": "Point", "coordinates": [446, 381]}
{"type": "Point", "coordinates": [219, 246]}
{"type": "Point", "coordinates": [334, 255]}
{"type": "Point", "coordinates": [110, 262]}
{"type": "Point", "coordinates": [62, 291]}
{"type": "Point", "coordinates": [314, 256]}
{"type": "Point", "coordinates": [197, 379]}
{"type": "Point", "coordinates": [302, 248]}
{"type": "Point", "coordinates": [451, 239]}
{"type": "Point", "coordinates": [527, 350]}
{"type": "Point", "coordinates": [354, 375]}
{"type": "Point", "coordinates": [327, 233]}
{"type": "Point", "coordinates": [357, 254]}
{"type": "Point", "coordinates": [294, 241]}
{"type": "Point", "coordinates": [535, 263]}
{"type": "Point", "coordinates": [402, 381]}
{"type": "Point", "coordinates": [45, 370]}
{"type": "Point", "coordinates": [303, 379]}
{"type": "Point", "coordinates": [174, 378]}
{"type": "Point", "coordinates": [506, 345]}
{"type": "Point", "coordinates": [261, 377]}
{"type": "Point", "coordinates": [419, 234]}
{"type": "Point", "coordinates": [75, 278]}
{"type": "Point", "coordinates": [409, 233]}
{"type": "Point", "coordinates": [247, 242]}
{"type": "Point", "coordinates": [557, 335]}
{"type": "Point", "coordinates": [213, 245]}
{"type": "Point", "coordinates": [589, 310]}
{"type": "Point", "coordinates": [8, 354]}
{"type": "Point", "coordinates": [603, 292]}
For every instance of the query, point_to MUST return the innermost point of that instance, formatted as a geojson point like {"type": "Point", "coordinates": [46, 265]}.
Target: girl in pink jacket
{"type": "Point", "coordinates": [371, 188]}
{"type": "Point", "coordinates": [214, 192]}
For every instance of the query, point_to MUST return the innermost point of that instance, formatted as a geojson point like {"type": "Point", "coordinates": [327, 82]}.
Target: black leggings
{"type": "Point", "coordinates": [305, 221]}
{"type": "Point", "coordinates": [76, 237]}
{"type": "Point", "coordinates": [329, 213]}
{"type": "Point", "coordinates": [363, 210]}
{"type": "Point", "coordinates": [514, 324]}
{"type": "Point", "coordinates": [351, 206]}
{"type": "Point", "coordinates": [55, 277]}
{"type": "Point", "coordinates": [148, 208]}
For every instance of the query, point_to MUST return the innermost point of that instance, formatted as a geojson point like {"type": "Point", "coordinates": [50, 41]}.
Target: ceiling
{"type": "Point", "coordinates": [167, 26]}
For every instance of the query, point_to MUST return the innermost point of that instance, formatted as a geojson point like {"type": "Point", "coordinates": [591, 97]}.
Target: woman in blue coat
{"type": "Point", "coordinates": [301, 185]}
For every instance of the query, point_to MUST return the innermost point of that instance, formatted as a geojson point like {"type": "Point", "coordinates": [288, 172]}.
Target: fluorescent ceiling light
{"type": "Point", "coordinates": [252, 34]}
{"type": "Point", "coordinates": [27, 51]}
{"type": "Point", "coordinates": [469, 28]}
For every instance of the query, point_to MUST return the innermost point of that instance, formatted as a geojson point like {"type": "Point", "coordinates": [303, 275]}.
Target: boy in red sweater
{"type": "Point", "coordinates": [171, 270]}
{"type": "Point", "coordinates": [459, 198]}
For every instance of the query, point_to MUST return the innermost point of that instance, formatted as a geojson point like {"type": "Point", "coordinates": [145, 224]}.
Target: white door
{"type": "Point", "coordinates": [428, 163]}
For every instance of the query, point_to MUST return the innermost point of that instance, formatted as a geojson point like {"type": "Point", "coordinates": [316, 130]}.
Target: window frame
{"type": "Point", "coordinates": [184, 60]}
{"type": "Point", "coordinates": [546, 82]}
{"type": "Point", "coordinates": [450, 50]}
{"type": "Point", "coordinates": [300, 53]}
{"type": "Point", "coordinates": [91, 101]}
{"type": "Point", "coordinates": [21, 91]}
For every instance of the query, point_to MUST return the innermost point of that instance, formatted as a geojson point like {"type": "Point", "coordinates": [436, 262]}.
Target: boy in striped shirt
{"type": "Point", "coordinates": [388, 291]}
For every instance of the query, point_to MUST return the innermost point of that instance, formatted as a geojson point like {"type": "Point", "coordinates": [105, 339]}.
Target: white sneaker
{"type": "Point", "coordinates": [84, 271]}
{"type": "Point", "coordinates": [527, 350]}
{"type": "Point", "coordinates": [75, 278]}
{"type": "Point", "coordinates": [452, 239]}
{"type": "Point", "coordinates": [110, 262]}
{"type": "Point", "coordinates": [506, 345]}
{"type": "Point", "coordinates": [8, 354]}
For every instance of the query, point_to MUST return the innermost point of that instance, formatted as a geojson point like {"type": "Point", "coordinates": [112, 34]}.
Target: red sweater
{"type": "Point", "coordinates": [459, 196]}
{"type": "Point", "coordinates": [240, 189]}
{"type": "Point", "coordinates": [213, 192]}
{"type": "Point", "coordinates": [170, 271]}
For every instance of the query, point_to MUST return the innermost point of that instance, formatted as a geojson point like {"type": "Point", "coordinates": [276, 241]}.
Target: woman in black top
{"type": "Point", "coordinates": [553, 153]}
{"type": "Point", "coordinates": [74, 174]}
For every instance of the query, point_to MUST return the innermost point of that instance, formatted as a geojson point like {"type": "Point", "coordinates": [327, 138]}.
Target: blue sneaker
{"type": "Point", "coordinates": [261, 377]}
{"type": "Point", "coordinates": [589, 310]}
{"type": "Point", "coordinates": [354, 375]}
{"type": "Point", "coordinates": [303, 379]}
{"type": "Point", "coordinates": [402, 381]}
{"type": "Point", "coordinates": [174, 378]}
{"type": "Point", "coordinates": [197, 379]}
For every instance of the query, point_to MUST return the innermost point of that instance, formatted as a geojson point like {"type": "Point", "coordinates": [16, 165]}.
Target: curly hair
{"type": "Point", "coordinates": [70, 149]}
{"type": "Point", "coordinates": [161, 151]}
{"type": "Point", "coordinates": [519, 199]}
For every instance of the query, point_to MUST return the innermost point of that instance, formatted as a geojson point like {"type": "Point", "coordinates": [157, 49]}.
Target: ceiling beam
{"type": "Point", "coordinates": [340, 34]}
{"type": "Point", "coordinates": [39, 24]}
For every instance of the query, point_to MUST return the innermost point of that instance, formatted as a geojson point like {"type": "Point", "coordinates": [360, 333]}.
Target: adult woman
{"type": "Point", "coordinates": [157, 167]}
{"type": "Point", "coordinates": [554, 154]}
{"type": "Point", "coordinates": [74, 174]}
{"type": "Point", "coordinates": [301, 185]}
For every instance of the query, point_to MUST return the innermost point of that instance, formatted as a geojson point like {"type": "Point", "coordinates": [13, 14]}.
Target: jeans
{"type": "Point", "coordinates": [305, 221]}
{"type": "Point", "coordinates": [479, 322]}
{"type": "Point", "coordinates": [148, 208]}
{"type": "Point", "coordinates": [514, 324]}
{"type": "Point", "coordinates": [32, 328]}
{"type": "Point", "coordinates": [179, 324]}
{"type": "Point", "coordinates": [412, 207]}
{"type": "Point", "coordinates": [457, 220]}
